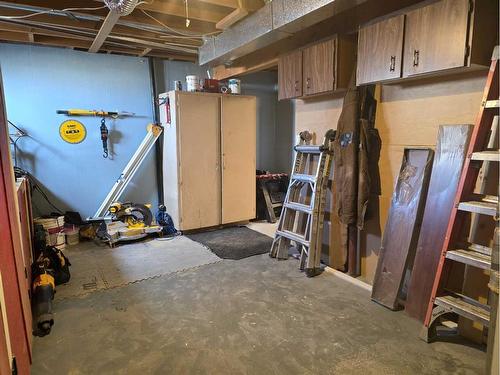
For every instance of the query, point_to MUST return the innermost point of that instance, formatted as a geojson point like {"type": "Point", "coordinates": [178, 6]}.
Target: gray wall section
{"type": "Point", "coordinates": [178, 70]}
{"type": "Point", "coordinates": [274, 122]}
{"type": "Point", "coordinates": [40, 80]}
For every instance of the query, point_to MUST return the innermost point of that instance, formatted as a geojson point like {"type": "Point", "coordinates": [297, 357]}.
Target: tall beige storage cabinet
{"type": "Point", "coordinates": [209, 147]}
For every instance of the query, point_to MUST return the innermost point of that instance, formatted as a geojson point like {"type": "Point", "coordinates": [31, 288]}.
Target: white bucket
{"type": "Point", "coordinates": [72, 235]}
{"type": "Point", "coordinates": [54, 231]}
{"type": "Point", "coordinates": [192, 83]}
{"type": "Point", "coordinates": [234, 85]}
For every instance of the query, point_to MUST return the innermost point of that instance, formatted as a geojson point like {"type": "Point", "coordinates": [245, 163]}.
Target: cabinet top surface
{"type": "Point", "coordinates": [205, 94]}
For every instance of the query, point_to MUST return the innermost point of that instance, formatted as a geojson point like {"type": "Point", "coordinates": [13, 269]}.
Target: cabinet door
{"type": "Point", "coordinates": [238, 138]}
{"type": "Point", "coordinates": [436, 37]}
{"type": "Point", "coordinates": [290, 75]}
{"type": "Point", "coordinates": [318, 68]}
{"type": "Point", "coordinates": [380, 51]}
{"type": "Point", "coordinates": [199, 160]}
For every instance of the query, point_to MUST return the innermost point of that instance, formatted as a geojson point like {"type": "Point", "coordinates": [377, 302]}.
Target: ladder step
{"type": "Point", "coordinates": [308, 149]}
{"type": "Point", "coordinates": [292, 236]}
{"type": "Point", "coordinates": [464, 306]}
{"type": "Point", "coordinates": [298, 207]}
{"type": "Point", "coordinates": [480, 249]}
{"type": "Point", "coordinates": [484, 208]}
{"type": "Point", "coordinates": [493, 155]}
{"type": "Point", "coordinates": [492, 104]}
{"type": "Point", "coordinates": [469, 257]}
{"type": "Point", "coordinates": [304, 177]}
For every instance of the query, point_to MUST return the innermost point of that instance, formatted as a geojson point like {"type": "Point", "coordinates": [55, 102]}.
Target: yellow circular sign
{"type": "Point", "coordinates": [72, 131]}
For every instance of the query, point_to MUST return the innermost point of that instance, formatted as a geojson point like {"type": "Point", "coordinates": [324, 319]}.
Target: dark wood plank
{"type": "Point", "coordinates": [436, 37]}
{"type": "Point", "coordinates": [318, 65]}
{"type": "Point", "coordinates": [402, 227]}
{"type": "Point", "coordinates": [451, 150]}
{"type": "Point", "coordinates": [17, 304]}
{"type": "Point", "coordinates": [380, 50]}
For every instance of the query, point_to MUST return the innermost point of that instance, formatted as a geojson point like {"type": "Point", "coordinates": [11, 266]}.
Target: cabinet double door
{"type": "Point", "coordinates": [216, 151]}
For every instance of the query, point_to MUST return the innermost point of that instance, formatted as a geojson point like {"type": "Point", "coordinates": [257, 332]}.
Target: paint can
{"type": "Point", "coordinates": [192, 83]}
{"type": "Point", "coordinates": [234, 85]}
{"type": "Point", "coordinates": [177, 85]}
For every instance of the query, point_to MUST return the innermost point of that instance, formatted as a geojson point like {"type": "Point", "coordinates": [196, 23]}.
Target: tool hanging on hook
{"type": "Point", "coordinates": [104, 137]}
{"type": "Point", "coordinates": [103, 115]}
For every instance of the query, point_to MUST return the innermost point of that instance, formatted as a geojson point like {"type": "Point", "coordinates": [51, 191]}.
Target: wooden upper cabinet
{"type": "Point", "coordinates": [436, 37]}
{"type": "Point", "coordinates": [318, 68]}
{"type": "Point", "coordinates": [290, 76]}
{"type": "Point", "coordinates": [441, 37]}
{"type": "Point", "coordinates": [380, 51]}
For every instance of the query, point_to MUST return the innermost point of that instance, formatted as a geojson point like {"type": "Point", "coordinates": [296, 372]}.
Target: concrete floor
{"type": "Point", "coordinates": [252, 316]}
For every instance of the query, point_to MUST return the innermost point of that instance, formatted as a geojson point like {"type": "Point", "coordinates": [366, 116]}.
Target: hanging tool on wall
{"type": "Point", "coordinates": [103, 115]}
{"type": "Point", "coordinates": [104, 137]}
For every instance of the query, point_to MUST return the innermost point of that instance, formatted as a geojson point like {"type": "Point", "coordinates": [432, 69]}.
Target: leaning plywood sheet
{"type": "Point", "coordinates": [451, 150]}
{"type": "Point", "coordinates": [402, 227]}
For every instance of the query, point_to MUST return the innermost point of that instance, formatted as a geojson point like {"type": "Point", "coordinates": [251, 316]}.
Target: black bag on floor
{"type": "Point", "coordinates": [58, 264]}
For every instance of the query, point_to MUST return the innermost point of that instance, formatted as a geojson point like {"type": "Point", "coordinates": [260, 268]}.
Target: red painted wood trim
{"type": "Point", "coordinates": [11, 266]}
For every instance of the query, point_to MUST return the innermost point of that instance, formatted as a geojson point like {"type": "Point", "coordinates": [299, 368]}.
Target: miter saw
{"type": "Point", "coordinates": [129, 221]}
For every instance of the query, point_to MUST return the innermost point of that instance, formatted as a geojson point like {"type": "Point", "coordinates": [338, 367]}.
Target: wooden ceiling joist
{"type": "Point", "coordinates": [145, 52]}
{"type": "Point", "coordinates": [94, 28]}
{"type": "Point", "coordinates": [231, 18]}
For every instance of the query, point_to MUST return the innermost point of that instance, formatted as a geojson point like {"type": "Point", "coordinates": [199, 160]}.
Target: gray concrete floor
{"type": "Point", "coordinates": [252, 316]}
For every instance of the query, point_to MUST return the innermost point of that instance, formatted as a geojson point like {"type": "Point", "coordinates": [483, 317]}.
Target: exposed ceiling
{"type": "Point", "coordinates": [155, 27]}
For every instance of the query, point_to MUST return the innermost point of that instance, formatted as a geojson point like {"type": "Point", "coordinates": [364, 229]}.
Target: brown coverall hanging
{"type": "Point", "coordinates": [356, 156]}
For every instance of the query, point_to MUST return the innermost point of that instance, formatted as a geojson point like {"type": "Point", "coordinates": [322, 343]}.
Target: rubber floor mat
{"type": "Point", "coordinates": [234, 242]}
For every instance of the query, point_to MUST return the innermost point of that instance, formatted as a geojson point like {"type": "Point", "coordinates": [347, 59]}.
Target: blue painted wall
{"type": "Point", "coordinates": [40, 80]}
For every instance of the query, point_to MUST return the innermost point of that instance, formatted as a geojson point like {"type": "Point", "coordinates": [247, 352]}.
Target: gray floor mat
{"type": "Point", "coordinates": [234, 242]}
{"type": "Point", "coordinates": [96, 267]}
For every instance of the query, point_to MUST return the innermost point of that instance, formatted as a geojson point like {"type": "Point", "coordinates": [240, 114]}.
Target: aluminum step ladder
{"type": "Point", "coordinates": [480, 152]}
{"type": "Point", "coordinates": [153, 133]}
{"type": "Point", "coordinates": [301, 220]}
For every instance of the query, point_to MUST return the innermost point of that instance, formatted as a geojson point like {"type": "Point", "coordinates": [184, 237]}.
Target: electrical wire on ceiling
{"type": "Point", "coordinates": [48, 11]}
{"type": "Point", "coordinates": [187, 35]}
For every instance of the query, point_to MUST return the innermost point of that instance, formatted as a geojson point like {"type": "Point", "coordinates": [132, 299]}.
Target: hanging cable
{"type": "Point", "coordinates": [188, 22]}
{"type": "Point", "coordinates": [186, 35]}
{"type": "Point", "coordinates": [49, 11]}
{"type": "Point", "coordinates": [34, 186]}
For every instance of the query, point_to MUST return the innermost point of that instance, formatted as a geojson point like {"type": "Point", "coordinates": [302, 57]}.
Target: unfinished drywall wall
{"type": "Point", "coordinates": [274, 122]}
{"type": "Point", "coordinates": [40, 80]}
{"type": "Point", "coordinates": [408, 115]}
{"type": "Point", "coordinates": [178, 70]}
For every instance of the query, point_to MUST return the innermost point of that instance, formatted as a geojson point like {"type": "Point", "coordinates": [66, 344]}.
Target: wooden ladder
{"type": "Point", "coordinates": [301, 219]}
{"type": "Point", "coordinates": [444, 301]}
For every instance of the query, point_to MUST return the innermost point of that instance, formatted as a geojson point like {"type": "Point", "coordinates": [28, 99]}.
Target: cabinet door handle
{"type": "Point", "coordinates": [392, 67]}
{"type": "Point", "coordinates": [307, 83]}
{"type": "Point", "coordinates": [296, 85]}
{"type": "Point", "coordinates": [416, 55]}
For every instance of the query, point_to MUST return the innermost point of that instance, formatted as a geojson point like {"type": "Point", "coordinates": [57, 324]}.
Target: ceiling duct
{"type": "Point", "coordinates": [122, 7]}
{"type": "Point", "coordinates": [276, 20]}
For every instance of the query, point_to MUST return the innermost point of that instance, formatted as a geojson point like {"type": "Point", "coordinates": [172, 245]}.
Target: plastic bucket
{"type": "Point", "coordinates": [54, 231]}
{"type": "Point", "coordinates": [72, 235]}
